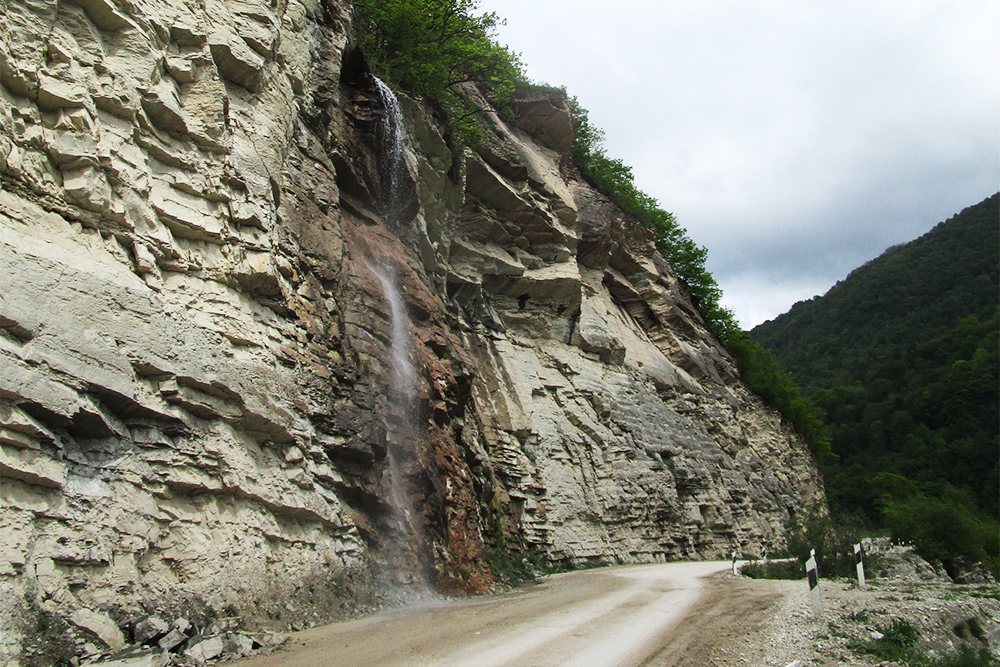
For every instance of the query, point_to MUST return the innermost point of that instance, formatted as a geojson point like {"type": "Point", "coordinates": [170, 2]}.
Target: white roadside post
{"type": "Point", "coordinates": [735, 571]}
{"type": "Point", "coordinates": [814, 594]}
{"type": "Point", "coordinates": [859, 559]}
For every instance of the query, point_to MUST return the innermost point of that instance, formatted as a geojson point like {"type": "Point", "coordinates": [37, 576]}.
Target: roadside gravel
{"type": "Point", "coordinates": [788, 632]}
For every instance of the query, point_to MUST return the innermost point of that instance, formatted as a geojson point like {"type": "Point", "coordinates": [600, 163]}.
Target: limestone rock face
{"type": "Point", "coordinates": [194, 365]}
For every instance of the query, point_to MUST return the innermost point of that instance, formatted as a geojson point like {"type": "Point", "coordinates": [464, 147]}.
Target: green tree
{"type": "Point", "coordinates": [903, 357]}
{"type": "Point", "coordinates": [432, 47]}
{"type": "Point", "coordinates": [947, 528]}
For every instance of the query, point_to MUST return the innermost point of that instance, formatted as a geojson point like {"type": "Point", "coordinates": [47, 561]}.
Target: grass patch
{"type": "Point", "coordinates": [862, 616]}
{"type": "Point", "coordinates": [990, 592]}
{"type": "Point", "coordinates": [513, 568]}
{"type": "Point", "coordinates": [900, 643]}
{"type": "Point", "coordinates": [965, 657]}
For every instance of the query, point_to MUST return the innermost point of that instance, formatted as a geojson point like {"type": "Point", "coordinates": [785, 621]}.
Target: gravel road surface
{"type": "Point", "coordinates": [631, 615]}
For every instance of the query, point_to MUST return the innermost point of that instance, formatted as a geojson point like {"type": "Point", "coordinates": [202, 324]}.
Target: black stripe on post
{"type": "Point", "coordinates": [857, 557]}
{"type": "Point", "coordinates": [813, 579]}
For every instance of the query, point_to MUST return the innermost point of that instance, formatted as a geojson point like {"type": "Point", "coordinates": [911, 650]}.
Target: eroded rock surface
{"type": "Point", "coordinates": [193, 351]}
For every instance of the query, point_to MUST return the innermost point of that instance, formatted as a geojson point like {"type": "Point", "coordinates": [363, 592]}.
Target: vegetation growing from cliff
{"type": "Point", "coordinates": [903, 358]}
{"type": "Point", "coordinates": [432, 47]}
{"type": "Point", "coordinates": [614, 179]}
{"type": "Point", "coordinates": [759, 370]}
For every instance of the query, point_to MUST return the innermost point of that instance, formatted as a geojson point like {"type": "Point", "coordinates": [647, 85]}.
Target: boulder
{"type": "Point", "coordinates": [148, 659]}
{"type": "Point", "coordinates": [150, 629]}
{"type": "Point", "coordinates": [202, 650]}
{"type": "Point", "coordinates": [548, 119]}
{"type": "Point", "coordinates": [101, 625]}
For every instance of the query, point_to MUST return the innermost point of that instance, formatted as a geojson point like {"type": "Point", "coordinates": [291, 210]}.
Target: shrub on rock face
{"type": "Point", "coordinates": [432, 47]}
{"type": "Point", "coordinates": [782, 569]}
{"type": "Point", "coordinates": [758, 369]}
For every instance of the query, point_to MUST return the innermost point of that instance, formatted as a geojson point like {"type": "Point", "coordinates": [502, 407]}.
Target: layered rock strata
{"type": "Point", "coordinates": [194, 353]}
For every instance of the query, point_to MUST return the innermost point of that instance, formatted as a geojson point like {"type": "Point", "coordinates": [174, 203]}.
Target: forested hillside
{"type": "Point", "coordinates": [902, 356]}
{"type": "Point", "coordinates": [910, 294]}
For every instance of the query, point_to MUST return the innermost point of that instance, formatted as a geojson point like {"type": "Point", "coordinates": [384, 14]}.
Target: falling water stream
{"type": "Point", "coordinates": [401, 411]}
{"type": "Point", "coordinates": [401, 414]}
{"type": "Point", "coordinates": [391, 159]}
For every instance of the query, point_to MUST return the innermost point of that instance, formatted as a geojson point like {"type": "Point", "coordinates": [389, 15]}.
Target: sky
{"type": "Point", "coordinates": [795, 139]}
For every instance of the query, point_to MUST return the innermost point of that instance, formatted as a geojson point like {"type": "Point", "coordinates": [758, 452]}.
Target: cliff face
{"type": "Point", "coordinates": [194, 363]}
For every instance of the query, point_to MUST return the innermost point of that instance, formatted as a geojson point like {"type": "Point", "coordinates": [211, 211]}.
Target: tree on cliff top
{"type": "Point", "coordinates": [431, 47]}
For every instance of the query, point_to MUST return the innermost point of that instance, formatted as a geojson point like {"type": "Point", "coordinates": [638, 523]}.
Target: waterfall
{"type": "Point", "coordinates": [403, 373]}
{"type": "Point", "coordinates": [391, 161]}
{"type": "Point", "coordinates": [401, 422]}
{"type": "Point", "coordinates": [402, 429]}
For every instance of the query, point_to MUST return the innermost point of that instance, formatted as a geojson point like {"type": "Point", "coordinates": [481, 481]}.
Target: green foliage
{"type": "Point", "coordinates": [792, 570]}
{"type": "Point", "coordinates": [432, 47]}
{"type": "Point", "coordinates": [945, 529]}
{"type": "Point", "coordinates": [507, 567]}
{"type": "Point", "coordinates": [903, 358]}
{"type": "Point", "coordinates": [47, 639]}
{"type": "Point", "coordinates": [515, 567]}
{"type": "Point", "coordinates": [524, 88]}
{"type": "Point", "coordinates": [910, 294]}
{"type": "Point", "coordinates": [900, 644]}
{"type": "Point", "coordinates": [765, 376]}
{"type": "Point", "coordinates": [965, 656]}
{"type": "Point", "coordinates": [929, 416]}
{"type": "Point", "coordinates": [834, 544]}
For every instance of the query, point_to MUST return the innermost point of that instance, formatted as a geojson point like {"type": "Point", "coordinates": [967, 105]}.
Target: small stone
{"type": "Point", "coordinates": [220, 626]}
{"type": "Point", "coordinates": [172, 640]}
{"type": "Point", "coordinates": [148, 659]}
{"type": "Point", "coordinates": [275, 639]}
{"type": "Point", "coordinates": [238, 644]}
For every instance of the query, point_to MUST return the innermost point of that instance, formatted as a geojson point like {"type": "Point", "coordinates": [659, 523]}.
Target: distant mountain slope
{"type": "Point", "coordinates": [903, 358]}
{"type": "Point", "coordinates": [908, 295]}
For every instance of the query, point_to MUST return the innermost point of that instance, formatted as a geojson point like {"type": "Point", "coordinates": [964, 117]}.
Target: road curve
{"type": "Point", "coordinates": [609, 616]}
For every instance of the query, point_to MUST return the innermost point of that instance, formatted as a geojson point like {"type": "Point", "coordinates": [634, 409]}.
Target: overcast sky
{"type": "Point", "coordinates": [795, 139]}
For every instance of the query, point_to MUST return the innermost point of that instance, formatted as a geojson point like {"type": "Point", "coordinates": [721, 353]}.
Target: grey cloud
{"type": "Point", "coordinates": [793, 140]}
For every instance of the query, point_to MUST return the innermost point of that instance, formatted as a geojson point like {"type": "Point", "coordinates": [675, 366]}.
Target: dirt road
{"type": "Point", "coordinates": [616, 616]}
